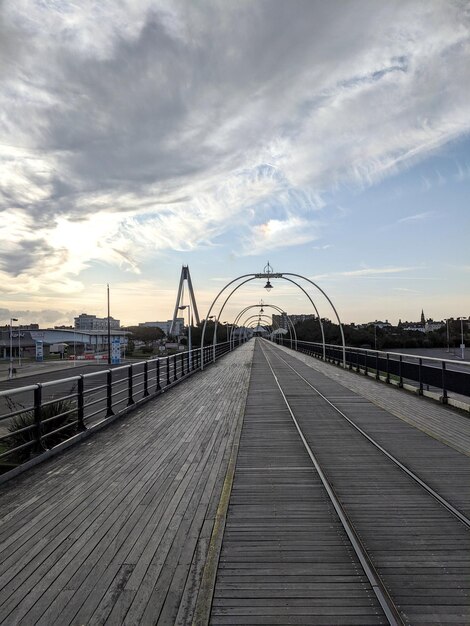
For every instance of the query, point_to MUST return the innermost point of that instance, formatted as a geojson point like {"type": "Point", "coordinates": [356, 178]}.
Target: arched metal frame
{"type": "Point", "coordinates": [268, 327]}
{"type": "Point", "coordinates": [272, 306]}
{"type": "Point", "coordinates": [270, 276]}
{"type": "Point", "coordinates": [244, 326]}
{"type": "Point", "coordinates": [243, 283]}
{"type": "Point", "coordinates": [236, 322]}
{"type": "Point", "coordinates": [252, 317]}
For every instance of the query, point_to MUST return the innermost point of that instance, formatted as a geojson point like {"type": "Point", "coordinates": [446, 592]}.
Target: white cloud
{"type": "Point", "coordinates": [418, 217]}
{"type": "Point", "coordinates": [134, 127]}
{"type": "Point", "coordinates": [275, 234]}
{"type": "Point", "coordinates": [370, 271]}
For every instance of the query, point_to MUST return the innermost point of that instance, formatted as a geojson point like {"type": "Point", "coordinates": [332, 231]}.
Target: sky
{"type": "Point", "coordinates": [328, 138]}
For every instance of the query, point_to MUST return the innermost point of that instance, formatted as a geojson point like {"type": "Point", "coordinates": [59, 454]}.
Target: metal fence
{"type": "Point", "coordinates": [425, 373]}
{"type": "Point", "coordinates": [38, 417]}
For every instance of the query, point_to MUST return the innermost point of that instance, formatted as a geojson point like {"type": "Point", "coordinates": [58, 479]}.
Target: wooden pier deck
{"type": "Point", "coordinates": [210, 504]}
{"type": "Point", "coordinates": [116, 529]}
{"type": "Point", "coordinates": [285, 557]}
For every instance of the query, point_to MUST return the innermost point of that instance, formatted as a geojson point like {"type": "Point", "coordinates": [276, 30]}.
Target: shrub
{"type": "Point", "coordinates": [27, 419]}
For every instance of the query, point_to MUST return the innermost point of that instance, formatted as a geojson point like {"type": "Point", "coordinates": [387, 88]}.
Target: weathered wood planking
{"type": "Point", "coordinates": [109, 531]}
{"type": "Point", "coordinates": [420, 550]}
{"type": "Point", "coordinates": [285, 558]}
{"type": "Point", "coordinates": [442, 422]}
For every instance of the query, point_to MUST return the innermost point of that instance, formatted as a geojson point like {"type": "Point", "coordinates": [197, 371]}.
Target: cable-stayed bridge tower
{"type": "Point", "coordinates": [185, 277]}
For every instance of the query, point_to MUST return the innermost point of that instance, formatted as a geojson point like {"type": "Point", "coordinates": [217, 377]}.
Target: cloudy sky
{"type": "Point", "coordinates": [330, 138]}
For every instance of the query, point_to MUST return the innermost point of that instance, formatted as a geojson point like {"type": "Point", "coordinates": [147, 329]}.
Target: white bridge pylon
{"type": "Point", "coordinates": [269, 274]}
{"type": "Point", "coordinates": [185, 276]}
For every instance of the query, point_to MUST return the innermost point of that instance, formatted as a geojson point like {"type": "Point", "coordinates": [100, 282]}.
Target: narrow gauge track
{"type": "Point", "coordinates": [431, 603]}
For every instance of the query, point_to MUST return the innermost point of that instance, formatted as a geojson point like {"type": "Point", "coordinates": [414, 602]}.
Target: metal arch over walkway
{"type": "Point", "coordinates": [260, 491]}
{"type": "Point", "coordinates": [292, 331]}
{"type": "Point", "coordinates": [269, 274]}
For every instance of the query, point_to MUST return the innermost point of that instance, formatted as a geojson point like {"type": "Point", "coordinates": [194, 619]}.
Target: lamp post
{"type": "Point", "coordinates": [214, 336]}
{"type": "Point", "coordinates": [448, 335]}
{"type": "Point", "coordinates": [10, 371]}
{"type": "Point", "coordinates": [109, 329]}
{"type": "Point", "coordinates": [462, 345]}
{"type": "Point", "coordinates": [19, 346]}
{"type": "Point", "coordinates": [182, 308]}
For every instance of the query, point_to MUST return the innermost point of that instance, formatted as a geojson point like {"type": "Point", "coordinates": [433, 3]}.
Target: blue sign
{"type": "Point", "coordinates": [39, 350]}
{"type": "Point", "coordinates": [116, 350]}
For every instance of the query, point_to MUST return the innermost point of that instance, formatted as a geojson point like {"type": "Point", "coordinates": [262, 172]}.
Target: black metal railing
{"type": "Point", "coordinates": [37, 417]}
{"type": "Point", "coordinates": [425, 373]}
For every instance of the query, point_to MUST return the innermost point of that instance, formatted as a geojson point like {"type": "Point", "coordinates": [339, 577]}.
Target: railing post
{"type": "Point", "coordinates": [175, 374]}
{"type": "Point", "coordinates": [146, 379]}
{"type": "Point", "coordinates": [377, 372]}
{"type": "Point", "coordinates": [168, 381]}
{"type": "Point", "coordinates": [387, 380]}
{"type": "Point", "coordinates": [158, 388]}
{"type": "Point", "coordinates": [109, 393]}
{"type": "Point", "coordinates": [130, 382]}
{"type": "Point", "coordinates": [188, 364]}
{"type": "Point", "coordinates": [420, 376]}
{"type": "Point", "coordinates": [39, 445]}
{"type": "Point", "coordinates": [182, 364]}
{"type": "Point", "coordinates": [81, 405]}
{"type": "Point", "coordinates": [400, 363]}
{"type": "Point", "coordinates": [365, 364]}
{"type": "Point", "coordinates": [357, 362]}
{"type": "Point", "coordinates": [444, 388]}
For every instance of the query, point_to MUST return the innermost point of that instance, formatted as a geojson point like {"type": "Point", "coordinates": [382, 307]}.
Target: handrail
{"type": "Point", "coordinates": [137, 383]}
{"type": "Point", "coordinates": [369, 350]}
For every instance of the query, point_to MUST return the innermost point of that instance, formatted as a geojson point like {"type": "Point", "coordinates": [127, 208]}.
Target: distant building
{"type": "Point", "coordinates": [282, 320]}
{"type": "Point", "coordinates": [431, 326]}
{"type": "Point", "coordinates": [80, 343]}
{"type": "Point", "coordinates": [91, 322]}
{"type": "Point", "coordinates": [165, 326]}
{"type": "Point", "coordinates": [416, 327]}
{"type": "Point", "coordinates": [380, 324]}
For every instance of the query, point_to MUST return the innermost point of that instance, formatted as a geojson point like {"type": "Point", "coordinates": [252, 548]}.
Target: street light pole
{"type": "Point", "coordinates": [109, 329]}
{"type": "Point", "coordinates": [182, 308]}
{"type": "Point", "coordinates": [10, 372]}
{"type": "Point", "coordinates": [214, 336]}
{"type": "Point", "coordinates": [19, 346]}
{"type": "Point", "coordinates": [462, 345]}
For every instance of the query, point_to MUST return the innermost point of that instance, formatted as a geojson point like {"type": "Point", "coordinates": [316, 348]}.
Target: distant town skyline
{"type": "Point", "coordinates": [330, 138]}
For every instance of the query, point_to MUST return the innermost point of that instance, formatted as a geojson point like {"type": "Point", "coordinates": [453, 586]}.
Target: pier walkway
{"type": "Point", "coordinates": [268, 489]}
